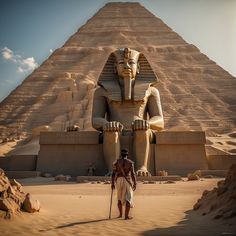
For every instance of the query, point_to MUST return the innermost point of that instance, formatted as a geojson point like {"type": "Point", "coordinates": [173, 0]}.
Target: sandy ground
{"type": "Point", "coordinates": [82, 209]}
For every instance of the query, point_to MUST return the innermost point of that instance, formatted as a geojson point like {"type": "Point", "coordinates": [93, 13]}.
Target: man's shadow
{"type": "Point", "coordinates": [76, 223]}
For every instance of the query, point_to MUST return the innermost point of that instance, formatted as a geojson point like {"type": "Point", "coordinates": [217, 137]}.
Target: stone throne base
{"type": "Point", "coordinates": [72, 152]}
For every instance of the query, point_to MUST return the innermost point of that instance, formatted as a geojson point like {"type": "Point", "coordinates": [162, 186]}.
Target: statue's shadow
{"type": "Point", "coordinates": [194, 224]}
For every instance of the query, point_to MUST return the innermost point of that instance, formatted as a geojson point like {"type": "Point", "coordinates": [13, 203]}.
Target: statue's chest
{"type": "Point", "coordinates": [134, 107]}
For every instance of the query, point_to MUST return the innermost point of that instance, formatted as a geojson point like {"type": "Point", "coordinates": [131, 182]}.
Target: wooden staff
{"type": "Point", "coordinates": [110, 203]}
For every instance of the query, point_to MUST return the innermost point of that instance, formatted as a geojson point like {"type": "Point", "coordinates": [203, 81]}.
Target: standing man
{"type": "Point", "coordinates": [123, 172]}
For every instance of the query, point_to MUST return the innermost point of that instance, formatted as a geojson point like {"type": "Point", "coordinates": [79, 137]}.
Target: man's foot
{"type": "Point", "coordinates": [143, 172]}
{"type": "Point", "coordinates": [119, 216]}
{"type": "Point", "coordinates": [128, 218]}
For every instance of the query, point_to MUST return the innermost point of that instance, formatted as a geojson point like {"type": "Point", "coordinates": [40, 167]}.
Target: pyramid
{"type": "Point", "coordinates": [196, 93]}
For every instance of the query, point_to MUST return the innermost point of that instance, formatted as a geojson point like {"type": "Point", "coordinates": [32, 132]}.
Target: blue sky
{"type": "Point", "coordinates": [32, 29]}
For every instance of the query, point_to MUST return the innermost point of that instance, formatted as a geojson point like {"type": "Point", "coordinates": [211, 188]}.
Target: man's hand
{"type": "Point", "coordinates": [134, 187]}
{"type": "Point", "coordinates": [113, 126]}
{"type": "Point", "coordinates": [112, 186]}
{"type": "Point", "coordinates": [140, 125]}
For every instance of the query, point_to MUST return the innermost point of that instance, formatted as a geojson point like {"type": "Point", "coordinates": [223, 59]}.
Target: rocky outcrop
{"type": "Point", "coordinates": [196, 93]}
{"type": "Point", "coordinates": [221, 201]}
{"type": "Point", "coordinates": [13, 199]}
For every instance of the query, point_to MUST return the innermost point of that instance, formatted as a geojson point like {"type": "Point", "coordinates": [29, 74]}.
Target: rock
{"type": "Point", "coordinates": [12, 196]}
{"type": "Point", "coordinates": [5, 140]}
{"type": "Point", "coordinates": [47, 175]}
{"type": "Point", "coordinates": [162, 173]}
{"type": "Point", "coordinates": [30, 205]}
{"type": "Point", "coordinates": [208, 176]}
{"type": "Point", "coordinates": [220, 201]}
{"type": "Point", "coordinates": [192, 176]}
{"type": "Point", "coordinates": [13, 182]}
{"type": "Point", "coordinates": [73, 128]}
{"type": "Point", "coordinates": [169, 182]}
{"type": "Point", "coordinates": [9, 205]}
{"type": "Point", "coordinates": [4, 182]}
{"type": "Point", "coordinates": [107, 182]}
{"type": "Point", "coordinates": [62, 178]}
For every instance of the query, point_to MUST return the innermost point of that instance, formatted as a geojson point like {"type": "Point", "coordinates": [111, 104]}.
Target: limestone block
{"type": "Point", "coordinates": [82, 137]}
{"type": "Point", "coordinates": [181, 137]}
{"type": "Point", "coordinates": [44, 128]}
{"type": "Point", "coordinates": [180, 155]}
{"type": "Point", "coordinates": [30, 204]}
{"type": "Point", "coordinates": [65, 97]}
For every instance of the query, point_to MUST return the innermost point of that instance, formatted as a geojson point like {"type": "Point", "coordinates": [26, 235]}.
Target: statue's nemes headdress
{"type": "Point", "coordinates": [144, 79]}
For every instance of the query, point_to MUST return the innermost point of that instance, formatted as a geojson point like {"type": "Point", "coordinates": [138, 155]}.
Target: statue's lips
{"type": "Point", "coordinates": [126, 73]}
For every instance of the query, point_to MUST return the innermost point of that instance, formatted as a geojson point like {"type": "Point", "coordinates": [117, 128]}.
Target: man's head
{"type": "Point", "coordinates": [124, 153]}
{"type": "Point", "coordinates": [126, 66]}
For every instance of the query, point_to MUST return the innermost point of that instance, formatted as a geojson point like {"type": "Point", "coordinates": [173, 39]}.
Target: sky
{"type": "Point", "coordinates": [30, 30]}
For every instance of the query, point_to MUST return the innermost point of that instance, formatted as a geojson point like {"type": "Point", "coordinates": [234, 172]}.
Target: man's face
{"type": "Point", "coordinates": [127, 67]}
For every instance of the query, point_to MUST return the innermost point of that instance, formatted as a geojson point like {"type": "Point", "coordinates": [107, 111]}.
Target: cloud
{"type": "Point", "coordinates": [50, 50]}
{"type": "Point", "coordinates": [23, 64]}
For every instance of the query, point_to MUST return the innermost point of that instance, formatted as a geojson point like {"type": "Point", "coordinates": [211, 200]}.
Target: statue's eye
{"type": "Point", "coordinates": [132, 62]}
{"type": "Point", "coordinates": [121, 62]}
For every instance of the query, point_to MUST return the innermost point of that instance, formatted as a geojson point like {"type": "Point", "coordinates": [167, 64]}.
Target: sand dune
{"type": "Point", "coordinates": [82, 209]}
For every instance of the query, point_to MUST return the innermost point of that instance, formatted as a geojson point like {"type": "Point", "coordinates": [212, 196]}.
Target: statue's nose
{"type": "Point", "coordinates": [126, 65]}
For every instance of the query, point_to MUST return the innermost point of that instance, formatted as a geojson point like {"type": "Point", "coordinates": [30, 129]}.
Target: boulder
{"type": "Point", "coordinates": [12, 198]}
{"type": "Point", "coordinates": [9, 205]}
{"type": "Point", "coordinates": [221, 201]}
{"type": "Point", "coordinates": [193, 176]}
{"type": "Point", "coordinates": [62, 178]}
{"type": "Point", "coordinates": [30, 204]}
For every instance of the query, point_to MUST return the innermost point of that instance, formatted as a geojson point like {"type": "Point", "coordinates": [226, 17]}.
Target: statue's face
{"type": "Point", "coordinates": [127, 68]}
{"type": "Point", "coordinates": [127, 65]}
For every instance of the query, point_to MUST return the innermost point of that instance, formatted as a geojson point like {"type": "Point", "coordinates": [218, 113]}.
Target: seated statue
{"type": "Point", "coordinates": [126, 101]}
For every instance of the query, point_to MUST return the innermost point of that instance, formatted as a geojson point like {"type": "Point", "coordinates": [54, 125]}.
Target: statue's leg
{"type": "Point", "coordinates": [142, 140]}
{"type": "Point", "coordinates": [111, 148]}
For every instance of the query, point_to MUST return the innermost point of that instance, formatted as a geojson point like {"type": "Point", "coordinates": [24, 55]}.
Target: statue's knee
{"type": "Point", "coordinates": [110, 137]}
{"type": "Point", "coordinates": [141, 135]}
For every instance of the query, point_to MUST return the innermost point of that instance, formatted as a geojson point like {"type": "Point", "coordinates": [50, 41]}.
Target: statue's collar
{"type": "Point", "coordinates": [113, 90]}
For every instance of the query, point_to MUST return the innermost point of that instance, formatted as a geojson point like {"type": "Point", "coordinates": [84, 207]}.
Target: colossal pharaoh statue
{"type": "Point", "coordinates": [127, 102]}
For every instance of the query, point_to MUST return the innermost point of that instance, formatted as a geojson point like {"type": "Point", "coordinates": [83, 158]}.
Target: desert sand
{"type": "Point", "coordinates": [82, 209]}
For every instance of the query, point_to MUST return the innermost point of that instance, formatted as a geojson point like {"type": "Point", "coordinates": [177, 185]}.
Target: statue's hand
{"type": "Point", "coordinates": [140, 125]}
{"type": "Point", "coordinates": [113, 126]}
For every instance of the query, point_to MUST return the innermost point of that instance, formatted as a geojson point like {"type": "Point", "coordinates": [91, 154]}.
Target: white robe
{"type": "Point", "coordinates": [124, 191]}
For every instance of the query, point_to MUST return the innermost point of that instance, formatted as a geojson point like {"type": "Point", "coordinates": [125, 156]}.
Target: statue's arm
{"type": "Point", "coordinates": [156, 119]}
{"type": "Point", "coordinates": [99, 109]}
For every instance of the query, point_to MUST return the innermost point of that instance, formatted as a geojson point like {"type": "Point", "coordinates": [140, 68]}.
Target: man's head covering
{"type": "Point", "coordinates": [124, 152]}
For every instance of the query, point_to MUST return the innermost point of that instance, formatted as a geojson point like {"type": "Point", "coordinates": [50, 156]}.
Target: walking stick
{"type": "Point", "coordinates": [110, 203]}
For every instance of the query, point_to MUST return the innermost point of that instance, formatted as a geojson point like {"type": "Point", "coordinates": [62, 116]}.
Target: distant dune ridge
{"type": "Point", "coordinates": [196, 93]}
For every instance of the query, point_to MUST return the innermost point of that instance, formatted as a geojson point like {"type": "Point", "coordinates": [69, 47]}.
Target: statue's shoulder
{"type": "Point", "coordinates": [100, 91]}
{"type": "Point", "coordinates": [154, 91]}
